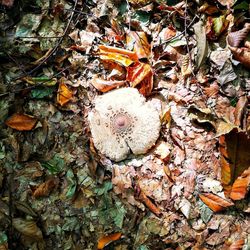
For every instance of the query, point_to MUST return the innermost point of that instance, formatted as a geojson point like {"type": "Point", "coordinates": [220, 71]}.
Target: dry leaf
{"type": "Point", "coordinates": [237, 245]}
{"type": "Point", "coordinates": [235, 38]}
{"type": "Point", "coordinates": [186, 66]}
{"type": "Point", "coordinates": [235, 162]}
{"type": "Point", "coordinates": [138, 42]}
{"type": "Point", "coordinates": [104, 241]}
{"type": "Point", "coordinates": [122, 56]}
{"type": "Point", "coordinates": [64, 94]}
{"type": "Point", "coordinates": [21, 122]}
{"type": "Point", "coordinates": [27, 228]}
{"type": "Point", "coordinates": [212, 90]}
{"type": "Point", "coordinates": [201, 40]}
{"type": "Point", "coordinates": [162, 150]}
{"type": "Point", "coordinates": [239, 110]}
{"type": "Point", "coordinates": [215, 202]}
{"type": "Point", "coordinates": [240, 186]}
{"type": "Point", "coordinates": [167, 33]}
{"type": "Point", "coordinates": [105, 85]}
{"type": "Point", "coordinates": [45, 188]}
{"type": "Point", "coordinates": [242, 55]}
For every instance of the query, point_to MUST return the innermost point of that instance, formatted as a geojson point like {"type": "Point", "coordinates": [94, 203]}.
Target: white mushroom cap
{"type": "Point", "coordinates": [122, 121]}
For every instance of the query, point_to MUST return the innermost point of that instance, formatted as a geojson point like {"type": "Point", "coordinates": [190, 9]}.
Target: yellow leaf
{"type": "Point", "coordinates": [64, 94]}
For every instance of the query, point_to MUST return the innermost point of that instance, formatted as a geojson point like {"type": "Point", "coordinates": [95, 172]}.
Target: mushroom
{"type": "Point", "coordinates": [122, 121]}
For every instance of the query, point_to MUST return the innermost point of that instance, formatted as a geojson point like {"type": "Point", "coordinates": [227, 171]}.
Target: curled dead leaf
{"type": "Point", "coordinates": [237, 245]}
{"type": "Point", "coordinates": [215, 202]}
{"type": "Point", "coordinates": [64, 94]}
{"type": "Point", "coordinates": [105, 240]}
{"type": "Point", "coordinates": [186, 66]}
{"type": "Point", "coordinates": [106, 85]}
{"type": "Point", "coordinates": [21, 122]}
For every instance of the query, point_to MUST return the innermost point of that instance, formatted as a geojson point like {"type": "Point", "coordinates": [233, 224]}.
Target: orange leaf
{"type": "Point", "coordinates": [239, 188]}
{"type": "Point", "coordinates": [149, 204]}
{"type": "Point", "coordinates": [104, 241]}
{"type": "Point", "coordinates": [104, 85]}
{"type": "Point", "coordinates": [237, 245]}
{"type": "Point", "coordinates": [215, 202]}
{"type": "Point", "coordinates": [21, 122]}
{"type": "Point", "coordinates": [64, 94]}
{"type": "Point", "coordinates": [137, 40]}
{"type": "Point", "coordinates": [122, 56]}
{"type": "Point", "coordinates": [138, 72]}
{"type": "Point", "coordinates": [45, 188]}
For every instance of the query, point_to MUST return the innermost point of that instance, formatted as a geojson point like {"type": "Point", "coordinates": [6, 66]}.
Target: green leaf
{"type": "Point", "coordinates": [206, 212]}
{"type": "Point", "coordinates": [104, 189]}
{"type": "Point", "coordinates": [28, 25]}
{"type": "Point", "coordinates": [218, 24]}
{"type": "Point", "coordinates": [118, 214]}
{"type": "Point", "coordinates": [54, 165]}
{"type": "Point", "coordinates": [3, 238]}
{"type": "Point", "coordinates": [142, 247]}
{"type": "Point", "coordinates": [123, 7]}
{"type": "Point", "coordinates": [242, 6]}
{"type": "Point", "coordinates": [142, 16]}
{"type": "Point", "coordinates": [71, 183]}
{"type": "Point", "coordinates": [40, 93]}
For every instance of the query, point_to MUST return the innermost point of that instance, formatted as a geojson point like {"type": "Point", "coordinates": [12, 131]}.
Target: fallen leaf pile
{"type": "Point", "coordinates": [190, 62]}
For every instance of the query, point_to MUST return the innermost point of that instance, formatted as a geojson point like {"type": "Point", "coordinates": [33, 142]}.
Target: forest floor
{"type": "Point", "coordinates": [189, 59]}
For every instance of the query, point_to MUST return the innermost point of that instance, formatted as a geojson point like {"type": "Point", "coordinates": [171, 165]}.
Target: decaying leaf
{"type": "Point", "coordinates": [138, 42]}
{"type": "Point", "coordinates": [237, 245]}
{"type": "Point", "coordinates": [28, 228]}
{"type": "Point", "coordinates": [45, 188]}
{"type": "Point", "coordinates": [21, 122]}
{"type": "Point", "coordinates": [64, 94]}
{"type": "Point", "coordinates": [186, 66]}
{"type": "Point", "coordinates": [105, 240]}
{"type": "Point", "coordinates": [122, 56]}
{"type": "Point", "coordinates": [214, 202]}
{"type": "Point", "coordinates": [106, 85]}
{"type": "Point", "coordinates": [201, 41]}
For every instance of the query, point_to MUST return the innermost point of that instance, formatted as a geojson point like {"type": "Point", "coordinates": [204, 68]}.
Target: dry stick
{"type": "Point", "coordinates": [55, 48]}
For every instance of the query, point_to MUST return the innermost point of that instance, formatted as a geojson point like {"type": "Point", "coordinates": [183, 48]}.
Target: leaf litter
{"type": "Point", "coordinates": [189, 60]}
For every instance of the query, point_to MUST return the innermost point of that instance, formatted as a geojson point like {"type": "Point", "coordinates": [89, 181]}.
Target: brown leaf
{"type": "Point", "coordinates": [212, 90]}
{"type": "Point", "coordinates": [27, 228]}
{"type": "Point", "coordinates": [239, 188]}
{"type": "Point", "coordinates": [235, 161]}
{"type": "Point", "coordinates": [186, 67]}
{"type": "Point", "coordinates": [137, 40]}
{"type": "Point", "coordinates": [239, 110]}
{"type": "Point", "coordinates": [21, 122]}
{"type": "Point", "coordinates": [105, 85]}
{"type": "Point", "coordinates": [105, 240]}
{"type": "Point", "coordinates": [235, 38]}
{"type": "Point", "coordinates": [64, 94]}
{"type": "Point", "coordinates": [242, 55]}
{"type": "Point", "coordinates": [45, 188]}
{"type": "Point", "coordinates": [215, 202]}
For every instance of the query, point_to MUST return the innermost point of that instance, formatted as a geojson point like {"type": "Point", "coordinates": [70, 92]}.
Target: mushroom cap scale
{"type": "Point", "coordinates": [121, 122]}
